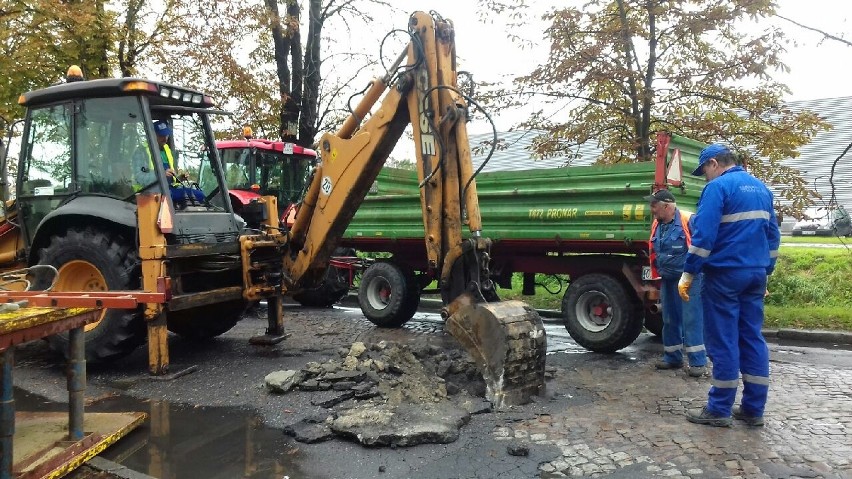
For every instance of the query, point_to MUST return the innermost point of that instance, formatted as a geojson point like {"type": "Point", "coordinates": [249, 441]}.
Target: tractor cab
{"type": "Point", "coordinates": [255, 168]}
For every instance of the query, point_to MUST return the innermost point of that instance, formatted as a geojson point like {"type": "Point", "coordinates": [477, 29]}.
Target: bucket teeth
{"type": "Point", "coordinates": [506, 340]}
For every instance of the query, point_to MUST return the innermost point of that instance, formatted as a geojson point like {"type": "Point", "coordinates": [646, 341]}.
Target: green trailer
{"type": "Point", "coordinates": [590, 223]}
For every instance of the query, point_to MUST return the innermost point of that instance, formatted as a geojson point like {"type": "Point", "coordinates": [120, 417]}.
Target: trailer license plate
{"type": "Point", "coordinates": [646, 273]}
{"type": "Point", "coordinates": [809, 232]}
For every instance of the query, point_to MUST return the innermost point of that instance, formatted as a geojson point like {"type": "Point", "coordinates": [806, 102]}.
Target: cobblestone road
{"type": "Point", "coordinates": [636, 424]}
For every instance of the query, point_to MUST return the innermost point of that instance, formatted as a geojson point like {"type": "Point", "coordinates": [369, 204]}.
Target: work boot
{"type": "Point", "coordinates": [748, 419]}
{"type": "Point", "coordinates": [704, 417]}
{"type": "Point", "coordinates": [661, 364]}
{"type": "Point", "coordinates": [696, 371]}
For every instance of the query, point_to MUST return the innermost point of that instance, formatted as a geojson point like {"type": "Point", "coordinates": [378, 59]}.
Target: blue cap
{"type": "Point", "coordinates": [162, 128]}
{"type": "Point", "coordinates": [708, 154]}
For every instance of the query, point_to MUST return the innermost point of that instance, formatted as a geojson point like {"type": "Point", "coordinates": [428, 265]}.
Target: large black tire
{"type": "Point", "coordinates": [600, 315]}
{"type": "Point", "coordinates": [119, 331]}
{"type": "Point", "coordinates": [206, 322]}
{"type": "Point", "coordinates": [389, 294]}
{"type": "Point", "coordinates": [334, 287]}
{"type": "Point", "coordinates": [654, 323]}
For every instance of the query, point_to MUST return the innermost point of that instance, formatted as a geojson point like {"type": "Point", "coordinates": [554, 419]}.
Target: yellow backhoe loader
{"type": "Point", "coordinates": [94, 201]}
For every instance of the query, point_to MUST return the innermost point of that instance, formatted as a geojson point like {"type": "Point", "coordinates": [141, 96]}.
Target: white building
{"type": "Point", "coordinates": [815, 161]}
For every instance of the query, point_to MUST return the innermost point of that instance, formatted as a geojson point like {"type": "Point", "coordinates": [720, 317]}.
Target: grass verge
{"type": "Point", "coordinates": [810, 289]}
{"type": "Point", "coordinates": [814, 317]}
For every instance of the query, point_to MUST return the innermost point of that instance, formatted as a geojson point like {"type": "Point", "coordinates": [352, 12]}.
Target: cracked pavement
{"type": "Point", "coordinates": [603, 415]}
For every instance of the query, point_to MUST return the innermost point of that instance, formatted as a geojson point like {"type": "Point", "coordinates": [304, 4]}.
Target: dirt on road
{"type": "Point", "coordinates": [602, 416]}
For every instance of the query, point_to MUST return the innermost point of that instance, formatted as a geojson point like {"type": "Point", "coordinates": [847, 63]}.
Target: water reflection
{"type": "Point", "coordinates": [181, 441]}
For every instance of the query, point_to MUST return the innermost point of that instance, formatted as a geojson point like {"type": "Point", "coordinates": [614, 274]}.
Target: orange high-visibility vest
{"type": "Point", "coordinates": [684, 221]}
{"type": "Point", "coordinates": [166, 155]}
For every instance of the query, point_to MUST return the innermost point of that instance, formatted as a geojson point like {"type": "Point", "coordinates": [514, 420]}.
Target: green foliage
{"type": "Point", "coordinates": [797, 289]}
{"type": "Point", "coordinates": [548, 291]}
{"type": "Point", "coordinates": [621, 70]}
{"type": "Point", "coordinates": [223, 47]}
{"type": "Point", "coordinates": [402, 164]}
{"type": "Point", "coordinates": [42, 38]}
{"type": "Point", "coordinates": [812, 277]}
{"type": "Point", "coordinates": [809, 289]}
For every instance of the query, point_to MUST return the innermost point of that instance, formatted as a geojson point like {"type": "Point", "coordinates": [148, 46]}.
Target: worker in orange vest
{"type": "Point", "coordinates": [682, 321]}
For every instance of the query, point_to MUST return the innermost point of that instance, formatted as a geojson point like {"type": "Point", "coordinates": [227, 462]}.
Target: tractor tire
{"type": "Point", "coordinates": [654, 323]}
{"type": "Point", "coordinates": [334, 286]}
{"type": "Point", "coordinates": [93, 260]}
{"type": "Point", "coordinates": [206, 322]}
{"type": "Point", "coordinates": [389, 294]}
{"type": "Point", "coordinates": [600, 315]}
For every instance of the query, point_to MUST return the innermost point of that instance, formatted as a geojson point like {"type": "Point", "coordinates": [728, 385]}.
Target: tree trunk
{"type": "Point", "coordinates": [127, 52]}
{"type": "Point", "coordinates": [289, 113]}
{"type": "Point", "coordinates": [312, 74]}
{"type": "Point", "coordinates": [293, 107]}
{"type": "Point", "coordinates": [102, 42]}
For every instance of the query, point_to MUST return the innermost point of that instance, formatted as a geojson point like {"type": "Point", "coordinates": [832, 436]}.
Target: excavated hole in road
{"type": "Point", "coordinates": [386, 394]}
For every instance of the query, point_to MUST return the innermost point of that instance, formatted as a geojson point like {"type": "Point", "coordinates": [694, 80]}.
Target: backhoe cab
{"type": "Point", "coordinates": [90, 164]}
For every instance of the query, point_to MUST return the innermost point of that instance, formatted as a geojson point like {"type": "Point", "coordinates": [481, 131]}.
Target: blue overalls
{"type": "Point", "coordinates": [735, 240]}
{"type": "Point", "coordinates": [178, 192]}
{"type": "Point", "coordinates": [682, 321]}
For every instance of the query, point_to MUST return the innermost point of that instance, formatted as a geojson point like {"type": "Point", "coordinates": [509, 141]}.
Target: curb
{"type": "Point", "coordinates": [834, 337]}
{"type": "Point", "coordinates": [816, 336]}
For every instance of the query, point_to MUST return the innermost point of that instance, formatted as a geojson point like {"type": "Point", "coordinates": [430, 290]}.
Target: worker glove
{"type": "Point", "coordinates": [683, 286]}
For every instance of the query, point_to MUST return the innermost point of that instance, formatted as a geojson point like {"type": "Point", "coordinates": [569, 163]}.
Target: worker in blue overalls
{"type": "Point", "coordinates": [735, 240]}
{"type": "Point", "coordinates": [683, 328]}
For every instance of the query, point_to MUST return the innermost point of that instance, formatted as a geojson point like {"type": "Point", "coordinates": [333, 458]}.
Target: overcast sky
{"type": "Point", "coordinates": [817, 70]}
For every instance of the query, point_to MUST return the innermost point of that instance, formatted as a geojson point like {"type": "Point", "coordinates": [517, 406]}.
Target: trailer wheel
{"type": "Point", "coordinates": [654, 323]}
{"type": "Point", "coordinates": [92, 260]}
{"type": "Point", "coordinates": [206, 322]}
{"type": "Point", "coordinates": [389, 294]}
{"type": "Point", "coordinates": [599, 314]}
{"type": "Point", "coordinates": [334, 286]}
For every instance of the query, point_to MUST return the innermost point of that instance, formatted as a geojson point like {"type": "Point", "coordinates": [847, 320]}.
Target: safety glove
{"type": "Point", "coordinates": [683, 285]}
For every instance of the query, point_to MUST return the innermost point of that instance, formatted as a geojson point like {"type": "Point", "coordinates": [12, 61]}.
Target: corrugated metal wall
{"type": "Point", "coordinates": [814, 163]}
{"type": "Point", "coordinates": [817, 157]}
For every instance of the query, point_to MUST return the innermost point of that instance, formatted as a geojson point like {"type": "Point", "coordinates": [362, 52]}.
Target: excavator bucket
{"type": "Point", "coordinates": [506, 339]}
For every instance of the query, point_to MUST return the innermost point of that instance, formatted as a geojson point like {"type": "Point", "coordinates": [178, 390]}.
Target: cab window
{"type": "Point", "coordinates": [237, 165]}
{"type": "Point", "coordinates": [47, 152]}
{"type": "Point", "coordinates": [194, 156]}
{"type": "Point", "coordinates": [110, 133]}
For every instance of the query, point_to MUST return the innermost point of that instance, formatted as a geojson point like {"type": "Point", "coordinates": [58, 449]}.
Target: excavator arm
{"type": "Point", "coordinates": [506, 338]}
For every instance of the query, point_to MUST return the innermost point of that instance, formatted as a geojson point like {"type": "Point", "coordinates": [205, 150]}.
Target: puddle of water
{"type": "Point", "coordinates": [180, 441]}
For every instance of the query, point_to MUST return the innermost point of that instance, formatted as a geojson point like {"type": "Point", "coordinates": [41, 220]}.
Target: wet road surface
{"type": "Point", "coordinates": [604, 415]}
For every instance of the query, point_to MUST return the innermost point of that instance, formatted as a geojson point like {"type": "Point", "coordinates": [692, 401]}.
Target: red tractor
{"type": "Point", "coordinates": [256, 167]}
